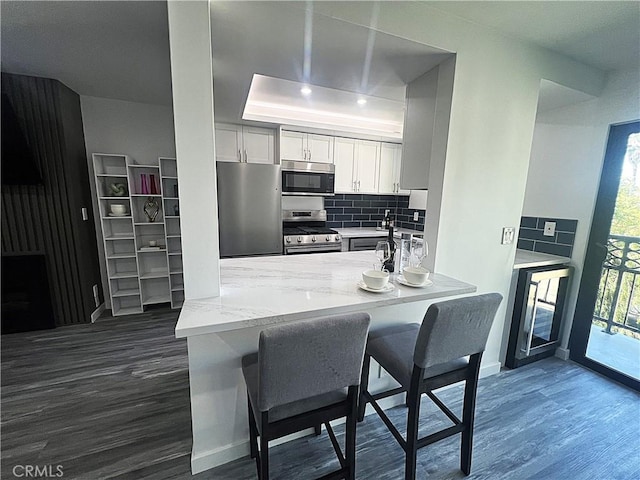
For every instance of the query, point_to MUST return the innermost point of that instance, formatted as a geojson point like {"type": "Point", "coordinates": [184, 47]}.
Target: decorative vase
{"type": "Point", "coordinates": [144, 183]}
{"type": "Point", "coordinates": [151, 209]}
{"type": "Point", "coordinates": [152, 184]}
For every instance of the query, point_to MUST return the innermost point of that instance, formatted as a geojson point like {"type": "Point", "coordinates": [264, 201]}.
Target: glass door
{"type": "Point", "coordinates": [606, 328]}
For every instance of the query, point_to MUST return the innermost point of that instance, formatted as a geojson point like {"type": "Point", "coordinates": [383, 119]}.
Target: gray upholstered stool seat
{"type": "Point", "coordinates": [251, 374]}
{"type": "Point", "coordinates": [393, 347]}
{"type": "Point", "coordinates": [303, 375]}
{"type": "Point", "coordinates": [445, 349]}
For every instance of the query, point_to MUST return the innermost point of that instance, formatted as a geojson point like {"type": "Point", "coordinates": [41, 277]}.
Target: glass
{"type": "Point", "coordinates": [383, 252]}
{"type": "Point", "coordinates": [419, 251]}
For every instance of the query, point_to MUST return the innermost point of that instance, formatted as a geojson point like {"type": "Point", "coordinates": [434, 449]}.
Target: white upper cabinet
{"type": "Point", "coordinates": [320, 148]}
{"type": "Point", "coordinates": [345, 164]}
{"type": "Point", "coordinates": [306, 147]}
{"type": "Point", "coordinates": [357, 165]}
{"type": "Point", "coordinates": [390, 163]}
{"type": "Point", "coordinates": [368, 166]}
{"type": "Point", "coordinates": [237, 143]}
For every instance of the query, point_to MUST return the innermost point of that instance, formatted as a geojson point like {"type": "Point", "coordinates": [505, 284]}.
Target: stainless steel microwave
{"type": "Point", "coordinates": [308, 178]}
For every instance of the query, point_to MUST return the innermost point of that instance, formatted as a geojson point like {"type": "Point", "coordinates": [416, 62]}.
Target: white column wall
{"type": "Point", "coordinates": [566, 162]}
{"type": "Point", "coordinates": [192, 78]}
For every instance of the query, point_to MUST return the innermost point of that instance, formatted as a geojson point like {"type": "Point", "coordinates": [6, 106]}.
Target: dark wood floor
{"type": "Point", "coordinates": [111, 400]}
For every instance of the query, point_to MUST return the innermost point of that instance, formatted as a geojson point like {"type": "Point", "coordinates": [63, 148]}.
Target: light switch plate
{"type": "Point", "coordinates": [549, 229]}
{"type": "Point", "coordinates": [415, 216]}
{"type": "Point", "coordinates": [85, 214]}
{"type": "Point", "coordinates": [508, 234]}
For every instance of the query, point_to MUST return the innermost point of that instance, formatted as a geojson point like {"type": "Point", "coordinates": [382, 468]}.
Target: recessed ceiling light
{"type": "Point", "coordinates": [362, 101]}
{"type": "Point", "coordinates": [305, 90]}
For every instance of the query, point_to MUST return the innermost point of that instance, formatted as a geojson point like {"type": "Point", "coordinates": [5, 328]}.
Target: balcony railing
{"type": "Point", "coordinates": [618, 303]}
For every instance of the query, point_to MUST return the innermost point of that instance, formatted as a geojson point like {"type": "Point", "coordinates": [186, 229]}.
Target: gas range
{"type": "Point", "coordinates": [305, 232]}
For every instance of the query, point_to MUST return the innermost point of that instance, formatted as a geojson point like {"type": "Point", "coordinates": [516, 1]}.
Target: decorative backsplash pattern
{"type": "Point", "coordinates": [360, 210]}
{"type": "Point", "coordinates": [531, 236]}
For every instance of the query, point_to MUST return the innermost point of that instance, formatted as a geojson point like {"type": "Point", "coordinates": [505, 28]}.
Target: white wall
{"type": "Point", "coordinates": [492, 119]}
{"type": "Point", "coordinates": [566, 163]}
{"type": "Point", "coordinates": [140, 130]}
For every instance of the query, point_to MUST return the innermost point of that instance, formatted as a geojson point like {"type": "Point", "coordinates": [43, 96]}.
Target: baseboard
{"type": "Point", "coordinates": [97, 312]}
{"type": "Point", "coordinates": [491, 369]}
{"type": "Point", "coordinates": [562, 353]}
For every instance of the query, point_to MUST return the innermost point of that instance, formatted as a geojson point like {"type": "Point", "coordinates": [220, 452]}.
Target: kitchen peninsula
{"type": "Point", "coordinates": [260, 291]}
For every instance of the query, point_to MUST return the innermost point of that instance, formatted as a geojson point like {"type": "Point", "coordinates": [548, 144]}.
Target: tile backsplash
{"type": "Point", "coordinates": [360, 210]}
{"type": "Point", "coordinates": [531, 236]}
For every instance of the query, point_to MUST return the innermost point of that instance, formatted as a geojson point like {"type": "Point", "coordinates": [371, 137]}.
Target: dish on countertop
{"type": "Point", "coordinates": [387, 288]}
{"type": "Point", "coordinates": [403, 281]}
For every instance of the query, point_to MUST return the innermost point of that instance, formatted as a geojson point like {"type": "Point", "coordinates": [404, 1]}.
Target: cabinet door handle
{"type": "Point", "coordinates": [358, 185]}
{"type": "Point", "coordinates": [304, 153]}
{"type": "Point", "coordinates": [239, 155]}
{"type": "Point", "coordinates": [353, 187]}
{"type": "Point", "coordinates": [309, 154]}
{"type": "Point", "coordinates": [246, 158]}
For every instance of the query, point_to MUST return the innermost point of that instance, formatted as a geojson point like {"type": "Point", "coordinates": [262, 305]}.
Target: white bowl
{"type": "Point", "coordinates": [118, 209]}
{"type": "Point", "coordinates": [415, 275]}
{"type": "Point", "coordinates": [375, 279]}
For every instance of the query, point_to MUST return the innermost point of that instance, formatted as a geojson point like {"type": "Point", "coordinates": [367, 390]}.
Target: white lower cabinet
{"type": "Point", "coordinates": [357, 165]}
{"type": "Point", "coordinates": [239, 143]}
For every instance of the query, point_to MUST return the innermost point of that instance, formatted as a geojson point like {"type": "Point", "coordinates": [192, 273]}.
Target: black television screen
{"type": "Point", "coordinates": [18, 164]}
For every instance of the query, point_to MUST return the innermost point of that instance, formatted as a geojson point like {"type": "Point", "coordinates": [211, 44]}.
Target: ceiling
{"type": "Point", "coordinates": [120, 49]}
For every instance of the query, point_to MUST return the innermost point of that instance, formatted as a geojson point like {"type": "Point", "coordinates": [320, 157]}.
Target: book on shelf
{"type": "Point", "coordinates": [147, 249]}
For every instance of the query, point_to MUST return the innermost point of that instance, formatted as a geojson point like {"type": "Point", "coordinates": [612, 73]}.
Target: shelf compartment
{"type": "Point", "coordinates": [172, 207]}
{"type": "Point", "coordinates": [112, 186]}
{"type": "Point", "coordinates": [122, 267]}
{"type": "Point", "coordinates": [168, 167]}
{"type": "Point", "coordinates": [177, 281]}
{"type": "Point", "coordinates": [155, 290]}
{"type": "Point", "coordinates": [170, 188]}
{"type": "Point", "coordinates": [126, 305]}
{"type": "Point", "coordinates": [174, 245]}
{"type": "Point", "coordinates": [120, 248]}
{"type": "Point", "coordinates": [175, 264]}
{"type": "Point", "coordinates": [106, 203]}
{"type": "Point", "coordinates": [173, 226]}
{"type": "Point", "coordinates": [177, 299]}
{"type": "Point", "coordinates": [135, 179]}
{"type": "Point", "coordinates": [125, 287]}
{"type": "Point", "coordinates": [153, 264]}
{"type": "Point", "coordinates": [110, 165]}
{"type": "Point", "coordinates": [137, 209]}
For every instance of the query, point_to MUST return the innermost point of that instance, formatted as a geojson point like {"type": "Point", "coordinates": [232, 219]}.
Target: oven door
{"type": "Point", "coordinates": [297, 249]}
{"type": "Point", "coordinates": [307, 183]}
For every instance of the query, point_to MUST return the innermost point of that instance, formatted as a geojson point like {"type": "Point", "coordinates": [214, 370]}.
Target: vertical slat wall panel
{"type": "Point", "coordinates": [38, 219]}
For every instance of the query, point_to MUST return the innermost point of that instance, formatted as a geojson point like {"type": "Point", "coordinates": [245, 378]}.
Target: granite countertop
{"type": "Point", "coordinates": [528, 259]}
{"type": "Point", "coordinates": [373, 232]}
{"type": "Point", "coordinates": [260, 291]}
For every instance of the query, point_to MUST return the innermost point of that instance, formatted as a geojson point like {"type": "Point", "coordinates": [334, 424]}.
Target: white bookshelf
{"type": "Point", "coordinates": [140, 274]}
{"type": "Point", "coordinates": [173, 240]}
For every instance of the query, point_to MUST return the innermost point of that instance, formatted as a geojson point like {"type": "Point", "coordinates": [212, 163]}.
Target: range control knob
{"type": "Point", "coordinates": [337, 238]}
{"type": "Point", "coordinates": [328, 239]}
{"type": "Point", "coordinates": [313, 239]}
{"type": "Point", "coordinates": [287, 239]}
{"type": "Point", "coordinates": [299, 239]}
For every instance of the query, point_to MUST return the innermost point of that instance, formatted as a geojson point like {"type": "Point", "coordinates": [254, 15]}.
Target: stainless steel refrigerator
{"type": "Point", "coordinates": [249, 209]}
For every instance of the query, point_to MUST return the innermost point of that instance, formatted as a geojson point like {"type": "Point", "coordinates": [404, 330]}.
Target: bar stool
{"type": "Point", "coordinates": [305, 374]}
{"type": "Point", "coordinates": [445, 349]}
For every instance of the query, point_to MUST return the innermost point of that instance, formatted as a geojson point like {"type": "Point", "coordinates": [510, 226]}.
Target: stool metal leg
{"type": "Point", "coordinates": [413, 417]}
{"type": "Point", "coordinates": [350, 435]}
{"type": "Point", "coordinates": [253, 431]}
{"type": "Point", "coordinates": [364, 385]}
{"type": "Point", "coordinates": [264, 448]}
{"type": "Point", "coordinates": [468, 415]}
